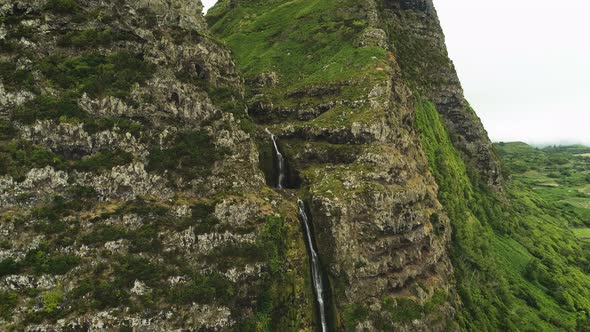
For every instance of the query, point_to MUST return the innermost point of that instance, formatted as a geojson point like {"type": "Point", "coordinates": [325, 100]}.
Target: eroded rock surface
{"type": "Point", "coordinates": [130, 191]}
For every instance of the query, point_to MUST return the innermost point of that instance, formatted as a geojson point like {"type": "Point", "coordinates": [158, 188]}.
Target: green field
{"type": "Point", "coordinates": [559, 174]}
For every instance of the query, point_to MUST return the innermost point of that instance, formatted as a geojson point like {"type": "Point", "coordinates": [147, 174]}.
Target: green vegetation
{"type": "Point", "coordinates": [421, 60]}
{"type": "Point", "coordinates": [44, 107]}
{"type": "Point", "coordinates": [397, 310]}
{"type": "Point", "coordinates": [65, 108]}
{"type": "Point", "coordinates": [62, 6]}
{"type": "Point", "coordinates": [8, 266]}
{"type": "Point", "coordinates": [352, 314]}
{"type": "Point", "coordinates": [203, 217]}
{"type": "Point", "coordinates": [39, 261]}
{"type": "Point", "coordinates": [105, 233]}
{"type": "Point", "coordinates": [110, 284]}
{"type": "Point", "coordinates": [8, 302]}
{"type": "Point", "coordinates": [582, 233]}
{"type": "Point", "coordinates": [309, 46]}
{"type": "Point", "coordinates": [15, 78]}
{"type": "Point", "coordinates": [20, 31]}
{"type": "Point", "coordinates": [52, 298]}
{"type": "Point", "coordinates": [203, 289]}
{"type": "Point", "coordinates": [324, 35]}
{"type": "Point", "coordinates": [104, 160]}
{"type": "Point", "coordinates": [7, 130]}
{"type": "Point", "coordinates": [91, 38]}
{"type": "Point", "coordinates": [105, 292]}
{"type": "Point", "coordinates": [275, 311]}
{"type": "Point", "coordinates": [270, 248]}
{"type": "Point", "coordinates": [518, 266]}
{"type": "Point", "coordinates": [560, 175]}
{"type": "Point", "coordinates": [94, 74]}
{"type": "Point", "coordinates": [18, 157]}
{"type": "Point", "coordinates": [405, 310]}
{"type": "Point", "coordinates": [97, 74]}
{"type": "Point", "coordinates": [191, 154]}
{"type": "Point", "coordinates": [59, 207]}
{"type": "Point", "coordinates": [94, 125]}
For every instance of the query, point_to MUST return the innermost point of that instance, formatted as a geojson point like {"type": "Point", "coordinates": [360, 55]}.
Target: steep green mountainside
{"type": "Point", "coordinates": [516, 267]}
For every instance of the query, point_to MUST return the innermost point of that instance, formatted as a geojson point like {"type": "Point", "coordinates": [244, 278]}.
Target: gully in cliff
{"type": "Point", "coordinates": [316, 275]}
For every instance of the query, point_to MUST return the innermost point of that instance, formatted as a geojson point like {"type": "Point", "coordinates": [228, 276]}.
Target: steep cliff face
{"type": "Point", "coordinates": [325, 77]}
{"type": "Point", "coordinates": [130, 192]}
{"type": "Point", "coordinates": [138, 180]}
{"type": "Point", "coordinates": [415, 35]}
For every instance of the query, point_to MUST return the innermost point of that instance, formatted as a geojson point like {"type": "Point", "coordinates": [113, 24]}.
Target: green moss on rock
{"type": "Point", "coordinates": [18, 157]}
{"type": "Point", "coordinates": [97, 74]}
{"type": "Point", "coordinates": [191, 154]}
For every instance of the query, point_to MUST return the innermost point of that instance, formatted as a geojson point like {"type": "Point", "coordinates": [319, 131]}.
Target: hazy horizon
{"type": "Point", "coordinates": [524, 66]}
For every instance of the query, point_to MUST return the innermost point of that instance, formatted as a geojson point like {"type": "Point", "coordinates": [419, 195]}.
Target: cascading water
{"type": "Point", "coordinates": [318, 282]}
{"type": "Point", "coordinates": [280, 160]}
{"type": "Point", "coordinates": [316, 276]}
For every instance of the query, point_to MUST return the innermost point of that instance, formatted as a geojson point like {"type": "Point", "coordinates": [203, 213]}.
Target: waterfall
{"type": "Point", "coordinates": [316, 276]}
{"type": "Point", "coordinates": [280, 160]}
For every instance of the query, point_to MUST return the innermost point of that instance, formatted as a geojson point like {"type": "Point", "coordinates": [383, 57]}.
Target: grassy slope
{"type": "Point", "coordinates": [517, 267]}
{"type": "Point", "coordinates": [274, 36]}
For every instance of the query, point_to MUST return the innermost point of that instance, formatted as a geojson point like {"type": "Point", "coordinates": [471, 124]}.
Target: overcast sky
{"type": "Point", "coordinates": [208, 3]}
{"type": "Point", "coordinates": [524, 65]}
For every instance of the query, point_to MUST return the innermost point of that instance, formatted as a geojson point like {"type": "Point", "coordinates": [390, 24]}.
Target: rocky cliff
{"type": "Point", "coordinates": [130, 192]}
{"type": "Point", "coordinates": [329, 80]}
{"type": "Point", "coordinates": [415, 36]}
{"type": "Point", "coordinates": [138, 180]}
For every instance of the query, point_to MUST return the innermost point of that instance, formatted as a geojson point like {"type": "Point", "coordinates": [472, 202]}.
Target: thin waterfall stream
{"type": "Point", "coordinates": [316, 275]}
{"type": "Point", "coordinates": [280, 160]}
{"type": "Point", "coordinates": [316, 272]}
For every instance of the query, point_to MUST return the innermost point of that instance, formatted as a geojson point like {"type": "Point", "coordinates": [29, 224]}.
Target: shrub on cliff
{"type": "Point", "coordinates": [191, 154]}
{"type": "Point", "coordinates": [62, 6]}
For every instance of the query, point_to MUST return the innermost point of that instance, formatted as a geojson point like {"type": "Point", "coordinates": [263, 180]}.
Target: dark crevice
{"type": "Point", "coordinates": [269, 163]}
